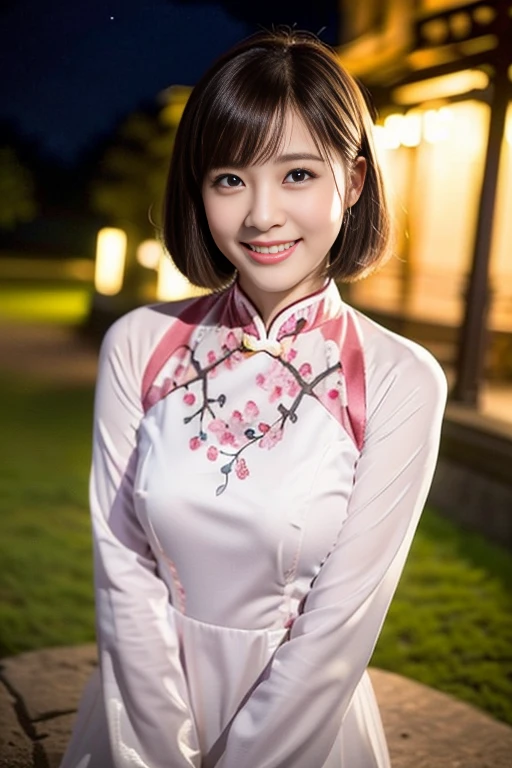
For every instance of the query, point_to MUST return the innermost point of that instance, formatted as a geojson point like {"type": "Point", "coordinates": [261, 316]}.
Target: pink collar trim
{"type": "Point", "coordinates": [302, 315]}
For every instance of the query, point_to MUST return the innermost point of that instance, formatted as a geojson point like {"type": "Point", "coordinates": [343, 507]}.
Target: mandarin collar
{"type": "Point", "coordinates": [302, 315]}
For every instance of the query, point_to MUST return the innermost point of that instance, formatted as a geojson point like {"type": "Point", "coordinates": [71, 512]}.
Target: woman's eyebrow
{"type": "Point", "coordinates": [294, 156]}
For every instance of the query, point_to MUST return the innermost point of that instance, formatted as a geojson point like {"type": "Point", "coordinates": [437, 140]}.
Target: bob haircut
{"type": "Point", "coordinates": [235, 115]}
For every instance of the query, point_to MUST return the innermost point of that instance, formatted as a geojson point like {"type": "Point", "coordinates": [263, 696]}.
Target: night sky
{"type": "Point", "coordinates": [71, 68]}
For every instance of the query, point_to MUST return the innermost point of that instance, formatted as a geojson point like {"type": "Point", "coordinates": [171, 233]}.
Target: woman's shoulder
{"type": "Point", "coordinates": [392, 358]}
{"type": "Point", "coordinates": [132, 338]}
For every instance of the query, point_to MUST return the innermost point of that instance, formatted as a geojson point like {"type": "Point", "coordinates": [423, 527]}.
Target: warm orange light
{"type": "Point", "coordinates": [441, 87]}
{"type": "Point", "coordinates": [171, 284]}
{"type": "Point", "coordinates": [110, 261]}
{"type": "Point", "coordinates": [508, 126]}
{"type": "Point", "coordinates": [149, 253]}
{"type": "Point", "coordinates": [437, 125]}
{"type": "Point", "coordinates": [176, 97]}
{"type": "Point", "coordinates": [387, 136]}
{"type": "Point", "coordinates": [410, 129]}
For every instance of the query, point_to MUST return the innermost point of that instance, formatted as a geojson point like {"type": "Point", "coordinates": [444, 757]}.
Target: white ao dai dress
{"type": "Point", "coordinates": [254, 496]}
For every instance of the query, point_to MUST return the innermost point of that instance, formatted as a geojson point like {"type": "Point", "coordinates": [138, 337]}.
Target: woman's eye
{"type": "Point", "coordinates": [298, 175]}
{"type": "Point", "coordinates": [228, 180]}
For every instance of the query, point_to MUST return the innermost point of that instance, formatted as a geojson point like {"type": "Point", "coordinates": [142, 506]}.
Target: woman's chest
{"type": "Point", "coordinates": [248, 463]}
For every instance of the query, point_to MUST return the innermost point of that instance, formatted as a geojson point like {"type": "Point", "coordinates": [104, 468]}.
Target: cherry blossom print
{"type": "Point", "coordinates": [251, 410]}
{"type": "Point", "coordinates": [231, 342]}
{"type": "Point", "coordinates": [234, 360]}
{"type": "Point", "coordinates": [183, 373]}
{"type": "Point", "coordinates": [212, 453]}
{"type": "Point", "coordinates": [271, 437]}
{"type": "Point", "coordinates": [241, 469]}
{"type": "Point", "coordinates": [238, 428]}
{"type": "Point", "coordinates": [278, 382]}
{"type": "Point", "coordinates": [228, 434]}
{"type": "Point", "coordinates": [211, 358]}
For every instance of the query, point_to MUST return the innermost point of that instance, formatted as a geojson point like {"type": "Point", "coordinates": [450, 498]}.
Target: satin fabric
{"type": "Point", "coordinates": [252, 511]}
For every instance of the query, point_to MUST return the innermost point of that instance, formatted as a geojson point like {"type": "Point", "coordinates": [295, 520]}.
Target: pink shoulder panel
{"type": "Point", "coordinates": [353, 368]}
{"type": "Point", "coordinates": [175, 337]}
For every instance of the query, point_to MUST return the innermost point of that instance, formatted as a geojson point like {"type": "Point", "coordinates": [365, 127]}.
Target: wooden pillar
{"type": "Point", "coordinates": [474, 332]}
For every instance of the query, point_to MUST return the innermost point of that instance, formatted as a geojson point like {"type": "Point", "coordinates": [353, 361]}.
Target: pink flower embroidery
{"type": "Point", "coordinates": [237, 429]}
{"type": "Point", "coordinates": [233, 360]}
{"type": "Point", "coordinates": [289, 326]}
{"type": "Point", "coordinates": [211, 359]}
{"type": "Point", "coordinates": [231, 342]}
{"type": "Point", "coordinates": [273, 436]}
{"type": "Point", "coordinates": [333, 401]}
{"type": "Point", "coordinates": [212, 453]}
{"type": "Point", "coordinates": [251, 410]}
{"type": "Point", "coordinates": [306, 371]}
{"type": "Point", "coordinates": [189, 398]}
{"type": "Point", "coordinates": [195, 443]}
{"type": "Point", "coordinates": [241, 469]}
{"type": "Point", "coordinates": [224, 432]}
{"type": "Point", "coordinates": [279, 381]}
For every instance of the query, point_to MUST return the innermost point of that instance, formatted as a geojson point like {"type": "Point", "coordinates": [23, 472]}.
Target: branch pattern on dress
{"type": "Point", "coordinates": [227, 438]}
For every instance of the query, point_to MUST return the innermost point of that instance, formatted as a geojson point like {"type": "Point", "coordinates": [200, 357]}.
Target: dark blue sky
{"type": "Point", "coordinates": [70, 68]}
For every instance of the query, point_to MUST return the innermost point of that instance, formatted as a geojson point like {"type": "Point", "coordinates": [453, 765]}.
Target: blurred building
{"type": "Point", "coordinates": [439, 74]}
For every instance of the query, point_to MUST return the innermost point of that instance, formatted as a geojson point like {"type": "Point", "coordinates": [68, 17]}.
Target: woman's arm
{"type": "Point", "coordinates": [146, 701]}
{"type": "Point", "coordinates": [292, 718]}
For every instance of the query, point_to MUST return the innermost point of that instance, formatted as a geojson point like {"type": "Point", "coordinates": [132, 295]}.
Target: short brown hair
{"type": "Point", "coordinates": [235, 114]}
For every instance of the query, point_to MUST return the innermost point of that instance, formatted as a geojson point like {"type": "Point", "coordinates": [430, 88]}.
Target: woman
{"type": "Point", "coordinates": [261, 455]}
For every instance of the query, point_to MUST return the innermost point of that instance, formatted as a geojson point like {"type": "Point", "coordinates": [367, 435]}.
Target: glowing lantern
{"type": "Point", "coordinates": [171, 284]}
{"type": "Point", "coordinates": [110, 261]}
{"type": "Point", "coordinates": [441, 87]}
{"type": "Point", "coordinates": [410, 129]}
{"type": "Point", "coordinates": [437, 125]}
{"type": "Point", "coordinates": [149, 253]}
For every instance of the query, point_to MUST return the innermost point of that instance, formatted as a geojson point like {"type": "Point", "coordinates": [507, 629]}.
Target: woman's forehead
{"type": "Point", "coordinates": [287, 138]}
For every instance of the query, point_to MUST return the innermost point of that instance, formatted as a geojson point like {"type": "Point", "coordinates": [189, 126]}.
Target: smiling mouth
{"type": "Point", "coordinates": [272, 248]}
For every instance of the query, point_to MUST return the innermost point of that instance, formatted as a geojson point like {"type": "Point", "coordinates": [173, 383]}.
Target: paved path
{"type": "Point", "coordinates": [54, 353]}
{"type": "Point", "coordinates": [39, 693]}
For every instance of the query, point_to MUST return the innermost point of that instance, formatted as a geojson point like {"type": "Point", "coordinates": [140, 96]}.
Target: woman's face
{"type": "Point", "coordinates": [276, 221]}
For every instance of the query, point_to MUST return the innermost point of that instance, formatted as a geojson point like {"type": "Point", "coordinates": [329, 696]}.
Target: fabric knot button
{"type": "Point", "coordinates": [253, 344]}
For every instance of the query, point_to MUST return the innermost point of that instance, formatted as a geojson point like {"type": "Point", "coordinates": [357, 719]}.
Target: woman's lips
{"type": "Point", "coordinates": [269, 258]}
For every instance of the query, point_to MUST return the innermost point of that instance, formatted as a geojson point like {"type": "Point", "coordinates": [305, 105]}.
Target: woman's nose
{"type": "Point", "coordinates": [265, 211]}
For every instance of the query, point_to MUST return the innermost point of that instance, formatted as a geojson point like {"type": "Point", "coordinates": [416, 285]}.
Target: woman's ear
{"type": "Point", "coordinates": [356, 181]}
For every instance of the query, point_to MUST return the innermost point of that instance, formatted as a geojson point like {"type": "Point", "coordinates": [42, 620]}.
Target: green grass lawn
{"type": "Point", "coordinates": [56, 303]}
{"type": "Point", "coordinates": [449, 626]}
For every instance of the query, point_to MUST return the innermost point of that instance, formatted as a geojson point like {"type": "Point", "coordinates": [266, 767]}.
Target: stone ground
{"type": "Point", "coordinates": [39, 694]}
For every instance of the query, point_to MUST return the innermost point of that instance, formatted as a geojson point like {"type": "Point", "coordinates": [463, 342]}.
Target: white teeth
{"type": "Point", "coordinates": [272, 248]}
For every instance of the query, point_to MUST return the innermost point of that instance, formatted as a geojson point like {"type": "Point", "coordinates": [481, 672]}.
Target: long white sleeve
{"type": "Point", "coordinates": [145, 695]}
{"type": "Point", "coordinates": [293, 716]}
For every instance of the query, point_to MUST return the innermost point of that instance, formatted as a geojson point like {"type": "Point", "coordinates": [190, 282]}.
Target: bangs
{"type": "Point", "coordinates": [242, 121]}
{"type": "Point", "coordinates": [242, 132]}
